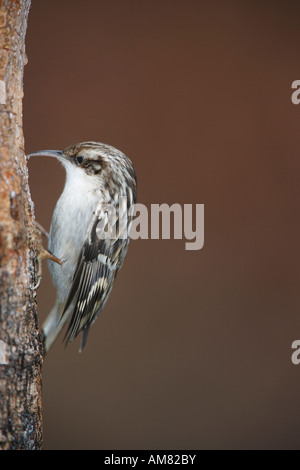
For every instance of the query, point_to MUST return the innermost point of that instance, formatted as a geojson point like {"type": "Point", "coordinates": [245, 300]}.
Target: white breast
{"type": "Point", "coordinates": [70, 222]}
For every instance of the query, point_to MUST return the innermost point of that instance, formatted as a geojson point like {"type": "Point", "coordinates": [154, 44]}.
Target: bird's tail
{"type": "Point", "coordinates": [53, 325]}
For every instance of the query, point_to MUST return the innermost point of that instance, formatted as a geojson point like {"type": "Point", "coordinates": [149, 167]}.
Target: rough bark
{"type": "Point", "coordinates": [20, 339]}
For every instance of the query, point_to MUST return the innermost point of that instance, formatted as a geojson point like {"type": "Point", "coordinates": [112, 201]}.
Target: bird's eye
{"type": "Point", "coordinates": [79, 160]}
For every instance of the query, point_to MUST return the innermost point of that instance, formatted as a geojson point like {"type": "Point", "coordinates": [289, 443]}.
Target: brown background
{"type": "Point", "coordinates": [193, 349]}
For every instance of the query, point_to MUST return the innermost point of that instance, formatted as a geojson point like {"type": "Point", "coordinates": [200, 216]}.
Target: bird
{"type": "Point", "coordinates": [89, 235]}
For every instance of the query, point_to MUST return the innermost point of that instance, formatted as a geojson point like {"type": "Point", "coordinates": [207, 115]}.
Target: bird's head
{"type": "Point", "coordinates": [96, 163]}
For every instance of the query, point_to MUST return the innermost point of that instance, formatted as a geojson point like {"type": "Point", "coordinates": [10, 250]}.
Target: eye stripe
{"type": "Point", "coordinates": [92, 167]}
{"type": "Point", "coordinates": [96, 166]}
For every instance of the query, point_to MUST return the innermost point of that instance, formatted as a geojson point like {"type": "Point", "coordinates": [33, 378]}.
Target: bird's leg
{"type": "Point", "coordinates": [42, 230]}
{"type": "Point", "coordinates": [45, 254]}
{"type": "Point", "coordinates": [42, 252]}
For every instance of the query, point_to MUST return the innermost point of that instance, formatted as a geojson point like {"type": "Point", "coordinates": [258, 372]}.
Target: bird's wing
{"type": "Point", "coordinates": [100, 259]}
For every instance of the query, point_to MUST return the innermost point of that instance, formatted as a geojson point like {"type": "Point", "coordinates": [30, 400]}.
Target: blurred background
{"type": "Point", "coordinates": [193, 349]}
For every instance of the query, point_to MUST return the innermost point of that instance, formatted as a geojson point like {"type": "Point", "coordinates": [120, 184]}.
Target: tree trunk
{"type": "Point", "coordinates": [20, 339]}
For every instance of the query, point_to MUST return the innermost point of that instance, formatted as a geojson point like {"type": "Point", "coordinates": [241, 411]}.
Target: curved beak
{"type": "Point", "coordinates": [48, 153]}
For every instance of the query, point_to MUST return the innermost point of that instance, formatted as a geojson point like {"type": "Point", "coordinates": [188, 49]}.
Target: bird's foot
{"type": "Point", "coordinates": [38, 231]}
